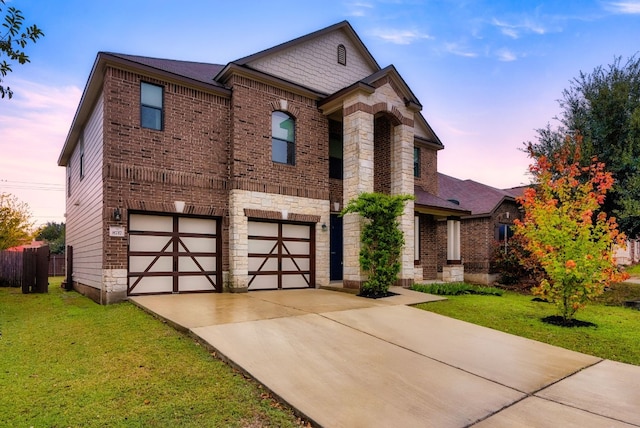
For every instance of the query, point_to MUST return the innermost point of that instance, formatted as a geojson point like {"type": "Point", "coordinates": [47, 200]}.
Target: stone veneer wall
{"type": "Point", "coordinates": [360, 169]}
{"type": "Point", "coordinates": [240, 200]}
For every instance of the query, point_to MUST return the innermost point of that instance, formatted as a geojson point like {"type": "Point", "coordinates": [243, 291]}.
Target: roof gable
{"type": "Point", "coordinates": [312, 60]}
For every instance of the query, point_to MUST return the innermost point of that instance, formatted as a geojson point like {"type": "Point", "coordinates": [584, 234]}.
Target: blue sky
{"type": "Point", "coordinates": [488, 73]}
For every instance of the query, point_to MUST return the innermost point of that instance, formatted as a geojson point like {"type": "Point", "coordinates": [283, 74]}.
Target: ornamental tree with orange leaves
{"type": "Point", "coordinates": [566, 232]}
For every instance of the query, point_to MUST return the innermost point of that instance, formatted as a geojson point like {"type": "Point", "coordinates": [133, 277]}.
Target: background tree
{"type": "Point", "coordinates": [15, 222]}
{"type": "Point", "coordinates": [381, 239]}
{"type": "Point", "coordinates": [604, 107]}
{"type": "Point", "coordinates": [13, 39]}
{"type": "Point", "coordinates": [54, 234]}
{"type": "Point", "coordinates": [566, 232]}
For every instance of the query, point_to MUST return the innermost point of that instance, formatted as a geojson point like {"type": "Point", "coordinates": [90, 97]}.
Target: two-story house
{"type": "Point", "coordinates": [194, 177]}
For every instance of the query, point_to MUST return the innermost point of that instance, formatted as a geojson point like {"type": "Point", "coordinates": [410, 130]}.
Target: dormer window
{"type": "Point", "coordinates": [342, 55]}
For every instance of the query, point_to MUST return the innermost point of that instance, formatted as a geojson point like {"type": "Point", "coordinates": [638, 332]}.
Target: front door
{"type": "Point", "coordinates": [335, 273]}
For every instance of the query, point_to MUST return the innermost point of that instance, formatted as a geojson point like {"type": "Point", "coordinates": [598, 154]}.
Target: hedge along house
{"type": "Point", "coordinates": [485, 230]}
{"type": "Point", "coordinates": [193, 177]}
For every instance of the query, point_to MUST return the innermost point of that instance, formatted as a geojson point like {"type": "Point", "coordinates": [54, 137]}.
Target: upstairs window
{"type": "Point", "coordinates": [335, 150]}
{"type": "Point", "coordinates": [151, 109]}
{"type": "Point", "coordinates": [283, 143]}
{"type": "Point", "coordinates": [342, 55]}
{"type": "Point", "coordinates": [416, 162]}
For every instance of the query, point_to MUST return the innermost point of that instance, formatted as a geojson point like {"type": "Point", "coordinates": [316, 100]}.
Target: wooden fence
{"type": "Point", "coordinates": [57, 265]}
{"type": "Point", "coordinates": [12, 269]}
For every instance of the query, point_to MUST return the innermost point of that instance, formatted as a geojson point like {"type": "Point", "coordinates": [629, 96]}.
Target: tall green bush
{"type": "Point", "coordinates": [381, 239]}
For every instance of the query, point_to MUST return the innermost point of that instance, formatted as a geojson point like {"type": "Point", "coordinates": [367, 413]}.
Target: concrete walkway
{"type": "Point", "coordinates": [347, 361]}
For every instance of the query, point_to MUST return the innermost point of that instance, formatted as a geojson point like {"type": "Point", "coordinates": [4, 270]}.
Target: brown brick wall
{"type": "Point", "coordinates": [428, 247]}
{"type": "Point", "coordinates": [252, 105]}
{"type": "Point", "coordinates": [382, 132]}
{"type": "Point", "coordinates": [428, 179]}
{"type": "Point", "coordinates": [477, 238]}
{"type": "Point", "coordinates": [148, 169]}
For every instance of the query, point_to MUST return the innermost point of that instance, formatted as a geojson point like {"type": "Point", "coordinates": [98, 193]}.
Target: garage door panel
{"type": "Point", "coordinates": [295, 281]}
{"type": "Point", "coordinates": [148, 223]}
{"type": "Point", "coordinates": [295, 231]}
{"type": "Point", "coordinates": [196, 225]}
{"type": "Point", "coordinates": [149, 243]}
{"type": "Point", "coordinates": [256, 263]}
{"type": "Point", "coordinates": [152, 284]}
{"type": "Point", "coordinates": [199, 245]}
{"type": "Point", "coordinates": [257, 228]}
{"type": "Point", "coordinates": [196, 283]}
{"type": "Point", "coordinates": [153, 264]}
{"type": "Point", "coordinates": [188, 264]}
{"type": "Point", "coordinates": [172, 253]}
{"type": "Point", "coordinates": [295, 264]}
{"type": "Point", "coordinates": [259, 246]}
{"type": "Point", "coordinates": [297, 247]}
{"type": "Point", "coordinates": [264, 282]}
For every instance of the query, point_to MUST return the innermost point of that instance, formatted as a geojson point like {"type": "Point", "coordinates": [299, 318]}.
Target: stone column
{"type": "Point", "coordinates": [357, 178]}
{"type": "Point", "coordinates": [402, 183]}
{"type": "Point", "coordinates": [453, 271]}
{"type": "Point", "coordinates": [238, 280]}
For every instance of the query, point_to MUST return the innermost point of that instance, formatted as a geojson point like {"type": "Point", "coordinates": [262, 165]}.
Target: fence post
{"type": "Point", "coordinates": [28, 270]}
{"type": "Point", "coordinates": [69, 282]}
{"type": "Point", "coordinates": [42, 269]}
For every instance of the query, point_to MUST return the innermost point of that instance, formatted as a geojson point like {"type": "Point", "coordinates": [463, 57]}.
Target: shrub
{"type": "Point", "coordinates": [381, 239]}
{"type": "Point", "coordinates": [455, 289]}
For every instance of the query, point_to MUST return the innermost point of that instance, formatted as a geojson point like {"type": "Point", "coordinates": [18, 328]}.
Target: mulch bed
{"type": "Point", "coordinates": [559, 321]}
{"type": "Point", "coordinates": [377, 295]}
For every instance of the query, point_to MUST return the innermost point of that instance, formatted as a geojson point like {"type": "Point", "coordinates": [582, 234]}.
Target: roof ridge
{"type": "Point", "coordinates": [130, 56]}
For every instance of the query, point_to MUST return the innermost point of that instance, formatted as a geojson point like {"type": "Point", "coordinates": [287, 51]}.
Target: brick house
{"type": "Point", "coordinates": [194, 177]}
{"type": "Point", "coordinates": [492, 212]}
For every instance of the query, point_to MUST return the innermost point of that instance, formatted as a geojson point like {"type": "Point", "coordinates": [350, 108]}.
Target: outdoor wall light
{"type": "Point", "coordinates": [117, 216]}
{"type": "Point", "coordinates": [324, 227]}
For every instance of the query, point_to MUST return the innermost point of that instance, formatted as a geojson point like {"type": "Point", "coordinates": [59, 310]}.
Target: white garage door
{"type": "Point", "coordinates": [281, 255]}
{"type": "Point", "coordinates": [173, 254]}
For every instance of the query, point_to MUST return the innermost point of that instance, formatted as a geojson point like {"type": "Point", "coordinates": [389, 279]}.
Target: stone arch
{"type": "Point", "coordinates": [392, 113]}
{"type": "Point", "coordinates": [283, 105]}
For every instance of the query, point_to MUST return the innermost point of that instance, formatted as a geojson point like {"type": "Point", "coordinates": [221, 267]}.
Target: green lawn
{"type": "Point", "coordinates": [615, 336]}
{"type": "Point", "coordinates": [67, 361]}
{"type": "Point", "coordinates": [633, 270]}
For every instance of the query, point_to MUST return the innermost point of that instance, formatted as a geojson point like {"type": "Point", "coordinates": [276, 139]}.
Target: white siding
{"type": "Point", "coordinates": [314, 64]}
{"type": "Point", "coordinates": [84, 204]}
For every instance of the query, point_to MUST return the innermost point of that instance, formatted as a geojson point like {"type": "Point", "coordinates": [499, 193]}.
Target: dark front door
{"type": "Point", "coordinates": [336, 248]}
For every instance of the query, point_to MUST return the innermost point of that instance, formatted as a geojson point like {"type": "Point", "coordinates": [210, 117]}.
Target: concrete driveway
{"type": "Point", "coordinates": [347, 361]}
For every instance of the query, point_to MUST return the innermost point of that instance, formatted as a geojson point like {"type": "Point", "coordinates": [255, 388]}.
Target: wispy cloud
{"type": "Point", "coordinates": [456, 49]}
{"type": "Point", "coordinates": [624, 7]}
{"type": "Point", "coordinates": [506, 55]}
{"type": "Point", "coordinates": [514, 31]}
{"type": "Point", "coordinates": [400, 37]}
{"type": "Point", "coordinates": [359, 8]}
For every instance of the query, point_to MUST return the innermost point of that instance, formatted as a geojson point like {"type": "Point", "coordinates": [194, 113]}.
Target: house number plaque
{"type": "Point", "coordinates": [117, 231]}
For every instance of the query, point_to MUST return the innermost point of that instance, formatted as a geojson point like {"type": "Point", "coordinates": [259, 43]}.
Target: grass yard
{"type": "Point", "coordinates": [67, 361]}
{"type": "Point", "coordinates": [614, 338]}
{"type": "Point", "coordinates": [633, 270]}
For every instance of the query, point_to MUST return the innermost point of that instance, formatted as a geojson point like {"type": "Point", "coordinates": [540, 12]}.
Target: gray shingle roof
{"type": "Point", "coordinates": [476, 197]}
{"type": "Point", "coordinates": [200, 71]}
